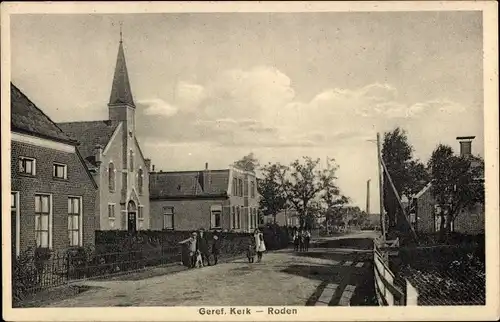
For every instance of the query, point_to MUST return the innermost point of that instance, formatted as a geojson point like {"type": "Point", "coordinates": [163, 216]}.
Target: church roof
{"type": "Point", "coordinates": [90, 134]}
{"type": "Point", "coordinates": [188, 184]}
{"type": "Point", "coordinates": [120, 89]}
{"type": "Point", "coordinates": [26, 117]}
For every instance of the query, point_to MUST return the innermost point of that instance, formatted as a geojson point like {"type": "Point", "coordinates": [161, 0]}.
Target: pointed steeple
{"type": "Point", "coordinates": [120, 90]}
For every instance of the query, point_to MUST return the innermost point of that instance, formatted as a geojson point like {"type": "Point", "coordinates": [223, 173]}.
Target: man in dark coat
{"type": "Point", "coordinates": [202, 245]}
{"type": "Point", "coordinates": [216, 247]}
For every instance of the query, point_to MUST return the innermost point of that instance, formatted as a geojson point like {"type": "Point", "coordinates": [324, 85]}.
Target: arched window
{"type": "Point", "coordinates": [111, 176]}
{"type": "Point", "coordinates": [131, 160]}
{"type": "Point", "coordinates": [140, 180]}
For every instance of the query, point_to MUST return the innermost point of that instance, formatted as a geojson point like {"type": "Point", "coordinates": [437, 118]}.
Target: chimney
{"type": "Point", "coordinates": [153, 168]}
{"type": "Point", "coordinates": [206, 179]}
{"type": "Point", "coordinates": [465, 145]}
{"type": "Point", "coordinates": [98, 154]}
{"type": "Point", "coordinates": [148, 164]}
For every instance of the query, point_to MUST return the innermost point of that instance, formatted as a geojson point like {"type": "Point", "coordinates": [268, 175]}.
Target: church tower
{"type": "Point", "coordinates": [121, 102]}
{"type": "Point", "coordinates": [122, 109]}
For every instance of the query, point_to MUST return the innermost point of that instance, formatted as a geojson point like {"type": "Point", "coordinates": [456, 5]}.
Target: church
{"type": "Point", "coordinates": [113, 155]}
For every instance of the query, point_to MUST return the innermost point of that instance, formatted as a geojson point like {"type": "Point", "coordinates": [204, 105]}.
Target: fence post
{"type": "Point", "coordinates": [67, 266]}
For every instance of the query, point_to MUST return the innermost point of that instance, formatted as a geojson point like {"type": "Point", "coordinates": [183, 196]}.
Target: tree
{"type": "Point", "coordinates": [457, 183]}
{"type": "Point", "coordinates": [330, 195]}
{"type": "Point", "coordinates": [407, 174]}
{"type": "Point", "coordinates": [302, 183]}
{"type": "Point", "coordinates": [272, 199]}
{"type": "Point", "coordinates": [248, 163]}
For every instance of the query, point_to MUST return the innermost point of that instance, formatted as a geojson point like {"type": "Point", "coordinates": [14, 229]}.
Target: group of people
{"type": "Point", "coordinates": [301, 240]}
{"type": "Point", "coordinates": [199, 249]}
{"type": "Point", "coordinates": [200, 254]}
{"type": "Point", "coordinates": [256, 246]}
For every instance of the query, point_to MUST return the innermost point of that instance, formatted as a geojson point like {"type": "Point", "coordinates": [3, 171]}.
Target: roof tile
{"type": "Point", "coordinates": [27, 117]}
{"type": "Point", "coordinates": [90, 134]}
{"type": "Point", "coordinates": [188, 184]}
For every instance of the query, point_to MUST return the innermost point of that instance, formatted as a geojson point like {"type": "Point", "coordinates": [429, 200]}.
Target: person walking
{"type": "Point", "coordinates": [260, 246]}
{"type": "Point", "coordinates": [307, 240]}
{"type": "Point", "coordinates": [301, 240]}
{"type": "Point", "coordinates": [216, 247]}
{"type": "Point", "coordinates": [202, 246]}
{"type": "Point", "coordinates": [296, 240]}
{"type": "Point", "coordinates": [193, 248]}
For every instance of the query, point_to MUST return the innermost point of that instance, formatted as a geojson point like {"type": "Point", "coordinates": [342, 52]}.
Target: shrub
{"type": "Point", "coordinates": [27, 270]}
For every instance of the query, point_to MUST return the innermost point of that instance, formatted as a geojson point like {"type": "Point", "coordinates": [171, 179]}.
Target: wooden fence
{"type": "Point", "coordinates": [388, 293]}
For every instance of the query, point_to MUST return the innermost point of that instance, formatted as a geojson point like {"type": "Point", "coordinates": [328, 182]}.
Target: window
{"type": "Point", "coordinates": [14, 212]}
{"type": "Point", "coordinates": [168, 218]}
{"type": "Point", "coordinates": [111, 215]}
{"type": "Point", "coordinates": [111, 176]}
{"type": "Point", "coordinates": [140, 181]}
{"type": "Point", "coordinates": [42, 221]}
{"type": "Point", "coordinates": [245, 188]}
{"type": "Point", "coordinates": [59, 170]}
{"type": "Point", "coordinates": [235, 187]}
{"type": "Point", "coordinates": [250, 218]}
{"type": "Point", "coordinates": [140, 216]}
{"type": "Point", "coordinates": [240, 187]}
{"type": "Point", "coordinates": [238, 217]}
{"type": "Point", "coordinates": [252, 189]}
{"type": "Point", "coordinates": [131, 154]}
{"type": "Point", "coordinates": [27, 166]}
{"type": "Point", "coordinates": [233, 217]}
{"type": "Point", "coordinates": [216, 216]}
{"type": "Point", "coordinates": [75, 221]}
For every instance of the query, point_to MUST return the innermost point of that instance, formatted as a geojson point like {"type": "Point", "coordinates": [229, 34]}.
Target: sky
{"type": "Point", "coordinates": [213, 87]}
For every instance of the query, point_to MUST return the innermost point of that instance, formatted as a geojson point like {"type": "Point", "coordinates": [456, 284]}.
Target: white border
{"type": "Point", "coordinates": [490, 70]}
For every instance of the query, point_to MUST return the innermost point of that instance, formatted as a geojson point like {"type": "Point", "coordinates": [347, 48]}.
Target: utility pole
{"type": "Point", "coordinates": [381, 187]}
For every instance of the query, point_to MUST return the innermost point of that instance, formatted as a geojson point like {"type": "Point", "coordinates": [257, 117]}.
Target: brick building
{"type": "Point", "coordinates": [113, 155]}
{"type": "Point", "coordinates": [425, 212]}
{"type": "Point", "coordinates": [211, 199]}
{"type": "Point", "coordinates": [52, 192]}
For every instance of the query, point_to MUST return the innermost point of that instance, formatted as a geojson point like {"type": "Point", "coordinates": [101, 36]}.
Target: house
{"type": "Point", "coordinates": [224, 199]}
{"type": "Point", "coordinates": [52, 192]}
{"type": "Point", "coordinates": [113, 155]}
{"type": "Point", "coordinates": [425, 212]}
{"type": "Point", "coordinates": [287, 217]}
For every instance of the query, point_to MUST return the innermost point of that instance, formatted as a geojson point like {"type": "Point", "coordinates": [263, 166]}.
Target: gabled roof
{"type": "Point", "coordinates": [27, 118]}
{"type": "Point", "coordinates": [90, 134]}
{"type": "Point", "coordinates": [120, 89]}
{"type": "Point", "coordinates": [188, 184]}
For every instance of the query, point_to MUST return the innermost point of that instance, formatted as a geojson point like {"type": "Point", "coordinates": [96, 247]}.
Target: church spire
{"type": "Point", "coordinates": [120, 90]}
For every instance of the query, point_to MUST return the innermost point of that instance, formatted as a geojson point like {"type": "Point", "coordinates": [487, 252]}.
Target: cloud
{"type": "Point", "coordinates": [189, 95]}
{"type": "Point", "coordinates": [258, 108]}
{"type": "Point", "coordinates": [158, 107]}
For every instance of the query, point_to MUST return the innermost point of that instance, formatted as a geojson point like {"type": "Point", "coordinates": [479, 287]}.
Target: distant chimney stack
{"type": "Point", "coordinates": [153, 168]}
{"type": "Point", "coordinates": [206, 165]}
{"type": "Point", "coordinates": [465, 145]}
{"type": "Point", "coordinates": [148, 164]}
{"type": "Point", "coordinates": [368, 196]}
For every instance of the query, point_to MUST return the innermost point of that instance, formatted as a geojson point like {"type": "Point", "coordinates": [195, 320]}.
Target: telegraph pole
{"type": "Point", "coordinates": [381, 187]}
